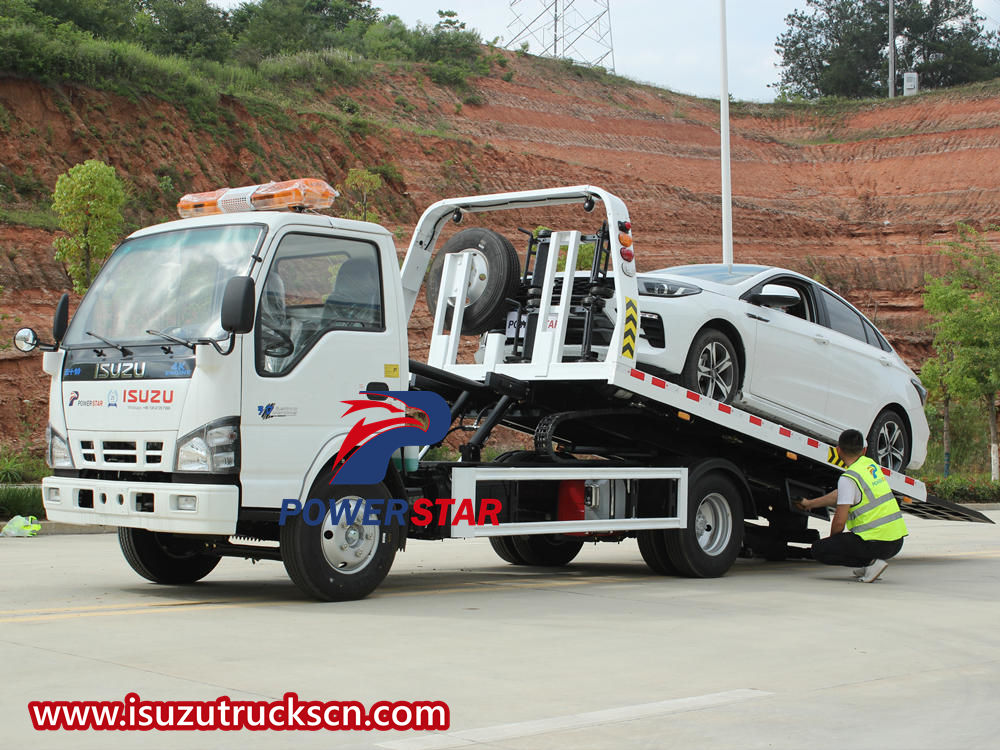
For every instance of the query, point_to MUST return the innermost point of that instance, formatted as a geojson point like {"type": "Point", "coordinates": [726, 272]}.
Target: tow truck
{"type": "Point", "coordinates": [210, 382]}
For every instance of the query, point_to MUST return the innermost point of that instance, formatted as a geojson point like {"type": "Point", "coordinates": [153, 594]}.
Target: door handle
{"type": "Point", "coordinates": [821, 339]}
{"type": "Point", "coordinates": [757, 317]}
{"type": "Point", "coordinates": [375, 386]}
{"type": "Point", "coordinates": [885, 362]}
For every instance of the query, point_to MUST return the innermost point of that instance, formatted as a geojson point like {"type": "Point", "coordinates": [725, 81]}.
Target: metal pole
{"type": "Point", "coordinates": [727, 190]}
{"type": "Point", "coordinates": [892, 48]}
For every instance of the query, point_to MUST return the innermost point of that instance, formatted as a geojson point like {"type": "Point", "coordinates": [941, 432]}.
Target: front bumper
{"type": "Point", "coordinates": [143, 505]}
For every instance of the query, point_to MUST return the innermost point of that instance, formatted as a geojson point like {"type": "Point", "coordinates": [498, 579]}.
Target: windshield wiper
{"type": "Point", "coordinates": [126, 352]}
{"type": "Point", "coordinates": [168, 337]}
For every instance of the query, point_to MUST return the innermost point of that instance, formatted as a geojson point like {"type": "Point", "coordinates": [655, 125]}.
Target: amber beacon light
{"type": "Point", "coordinates": [303, 194]}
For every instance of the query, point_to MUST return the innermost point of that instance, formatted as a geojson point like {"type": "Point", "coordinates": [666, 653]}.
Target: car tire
{"type": "Point", "coordinates": [712, 368]}
{"type": "Point", "coordinates": [339, 561]}
{"type": "Point", "coordinates": [547, 550]}
{"type": "Point", "coordinates": [166, 558]}
{"type": "Point", "coordinates": [653, 548]}
{"type": "Point", "coordinates": [712, 542]}
{"type": "Point", "coordinates": [889, 441]}
{"type": "Point", "coordinates": [504, 548]}
{"type": "Point", "coordinates": [497, 275]}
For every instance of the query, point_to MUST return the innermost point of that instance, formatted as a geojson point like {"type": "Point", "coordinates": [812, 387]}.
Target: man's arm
{"type": "Point", "coordinates": [839, 519]}
{"type": "Point", "coordinates": [826, 501]}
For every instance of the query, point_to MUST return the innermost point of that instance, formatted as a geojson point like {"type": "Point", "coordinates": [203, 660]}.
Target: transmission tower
{"type": "Point", "coordinates": [578, 30]}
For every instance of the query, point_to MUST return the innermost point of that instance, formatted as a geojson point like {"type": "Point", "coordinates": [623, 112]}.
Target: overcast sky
{"type": "Point", "coordinates": [670, 43]}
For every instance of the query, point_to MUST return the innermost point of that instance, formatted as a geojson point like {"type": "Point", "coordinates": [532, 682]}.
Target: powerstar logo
{"type": "Point", "coordinates": [73, 396]}
{"type": "Point", "coordinates": [392, 419]}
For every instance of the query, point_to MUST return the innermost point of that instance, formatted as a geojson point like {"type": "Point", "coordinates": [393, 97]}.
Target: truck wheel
{"type": "Point", "coordinates": [546, 550]}
{"type": "Point", "coordinates": [653, 548]}
{"type": "Point", "coordinates": [712, 368]}
{"type": "Point", "coordinates": [166, 558]}
{"type": "Point", "coordinates": [711, 543]}
{"type": "Point", "coordinates": [504, 548]}
{"type": "Point", "coordinates": [495, 277]}
{"type": "Point", "coordinates": [340, 558]}
{"type": "Point", "coordinates": [889, 441]}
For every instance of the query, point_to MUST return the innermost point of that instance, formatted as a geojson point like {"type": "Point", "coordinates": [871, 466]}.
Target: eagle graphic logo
{"type": "Point", "coordinates": [389, 420]}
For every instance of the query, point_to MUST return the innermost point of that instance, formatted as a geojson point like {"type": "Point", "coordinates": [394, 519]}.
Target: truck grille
{"type": "Point", "coordinates": [132, 453]}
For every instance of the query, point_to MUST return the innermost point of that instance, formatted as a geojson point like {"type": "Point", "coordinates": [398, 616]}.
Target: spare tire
{"type": "Point", "coordinates": [496, 276]}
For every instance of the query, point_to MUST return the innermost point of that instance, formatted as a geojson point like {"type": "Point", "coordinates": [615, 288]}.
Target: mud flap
{"type": "Point", "coordinates": [939, 509]}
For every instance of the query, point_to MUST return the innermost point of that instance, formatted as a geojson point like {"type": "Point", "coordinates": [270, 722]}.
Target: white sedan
{"type": "Point", "coordinates": [778, 344]}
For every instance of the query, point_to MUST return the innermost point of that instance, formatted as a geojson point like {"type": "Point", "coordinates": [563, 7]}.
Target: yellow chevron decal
{"type": "Point", "coordinates": [631, 328]}
{"type": "Point", "coordinates": [832, 457]}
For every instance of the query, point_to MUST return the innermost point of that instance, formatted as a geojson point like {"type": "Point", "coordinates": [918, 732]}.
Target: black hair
{"type": "Point", "coordinates": [851, 442]}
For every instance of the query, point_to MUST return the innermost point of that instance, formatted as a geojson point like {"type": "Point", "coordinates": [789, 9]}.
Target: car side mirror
{"type": "Point", "coordinates": [60, 321]}
{"type": "Point", "coordinates": [238, 305]}
{"type": "Point", "coordinates": [776, 296]}
{"type": "Point", "coordinates": [26, 340]}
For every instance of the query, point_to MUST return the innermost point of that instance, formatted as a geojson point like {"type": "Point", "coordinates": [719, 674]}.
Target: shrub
{"type": "Point", "coordinates": [965, 489]}
{"type": "Point", "coordinates": [21, 501]}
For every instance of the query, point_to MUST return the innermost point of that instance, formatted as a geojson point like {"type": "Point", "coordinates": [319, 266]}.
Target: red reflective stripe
{"type": "Point", "coordinates": [756, 421]}
{"type": "Point", "coordinates": [886, 472]}
{"type": "Point", "coordinates": [659, 383]}
{"type": "Point", "coordinates": [784, 432]}
{"type": "Point", "coordinates": [694, 396]}
{"type": "Point", "coordinates": [813, 443]}
{"type": "Point", "coordinates": [639, 374]}
{"type": "Point", "coordinates": [725, 408]}
{"type": "Point", "coordinates": [910, 480]}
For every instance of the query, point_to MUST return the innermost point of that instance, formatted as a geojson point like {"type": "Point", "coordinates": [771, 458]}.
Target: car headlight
{"type": "Point", "coordinates": [214, 447]}
{"type": "Point", "coordinates": [656, 288]}
{"type": "Point", "coordinates": [57, 454]}
{"type": "Point", "coordinates": [921, 391]}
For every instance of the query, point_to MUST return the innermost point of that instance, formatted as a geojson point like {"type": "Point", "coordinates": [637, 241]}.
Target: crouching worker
{"type": "Point", "coordinates": [867, 527]}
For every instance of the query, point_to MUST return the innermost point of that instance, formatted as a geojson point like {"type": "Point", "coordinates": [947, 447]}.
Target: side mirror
{"type": "Point", "coordinates": [60, 320]}
{"type": "Point", "coordinates": [238, 305]}
{"type": "Point", "coordinates": [777, 296]}
{"type": "Point", "coordinates": [26, 340]}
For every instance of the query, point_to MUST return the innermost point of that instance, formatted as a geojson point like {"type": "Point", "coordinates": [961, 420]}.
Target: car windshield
{"type": "Point", "coordinates": [720, 274]}
{"type": "Point", "coordinates": [169, 281]}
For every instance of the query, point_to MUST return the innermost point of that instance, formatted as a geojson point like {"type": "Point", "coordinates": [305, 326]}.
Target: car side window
{"type": "Point", "coordinates": [804, 308]}
{"type": "Point", "coordinates": [843, 318]}
{"type": "Point", "coordinates": [316, 284]}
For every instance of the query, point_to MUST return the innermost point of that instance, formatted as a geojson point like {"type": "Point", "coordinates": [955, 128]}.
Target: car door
{"type": "Point", "coordinates": [326, 329]}
{"type": "Point", "coordinates": [859, 371]}
{"type": "Point", "coordinates": [788, 368]}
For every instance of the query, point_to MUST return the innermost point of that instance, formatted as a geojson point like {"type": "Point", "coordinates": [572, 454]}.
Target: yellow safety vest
{"type": "Point", "coordinates": [876, 516]}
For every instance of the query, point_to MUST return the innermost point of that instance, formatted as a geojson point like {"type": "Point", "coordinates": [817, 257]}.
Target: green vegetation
{"type": "Point", "coordinates": [838, 47]}
{"type": "Point", "coordinates": [359, 187]}
{"type": "Point", "coordinates": [965, 305]}
{"type": "Point", "coordinates": [22, 466]}
{"type": "Point", "coordinates": [89, 199]}
{"type": "Point", "coordinates": [964, 490]}
{"type": "Point", "coordinates": [21, 501]}
{"type": "Point", "coordinates": [39, 218]}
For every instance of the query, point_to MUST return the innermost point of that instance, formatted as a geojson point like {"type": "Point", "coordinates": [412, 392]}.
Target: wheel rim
{"type": "Point", "coordinates": [715, 371]}
{"type": "Point", "coordinates": [478, 279]}
{"type": "Point", "coordinates": [349, 547]}
{"type": "Point", "coordinates": [891, 445]}
{"type": "Point", "coordinates": [713, 524]}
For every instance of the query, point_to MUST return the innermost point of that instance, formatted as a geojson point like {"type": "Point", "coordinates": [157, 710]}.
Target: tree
{"type": "Point", "coordinates": [840, 47]}
{"type": "Point", "coordinates": [965, 304]}
{"type": "Point", "coordinates": [359, 186]}
{"type": "Point", "coordinates": [89, 199]}
{"type": "Point", "coordinates": [274, 27]}
{"type": "Point", "coordinates": [188, 28]}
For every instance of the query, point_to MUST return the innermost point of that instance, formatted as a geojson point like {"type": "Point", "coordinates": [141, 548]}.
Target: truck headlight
{"type": "Point", "coordinates": [57, 454]}
{"type": "Point", "coordinates": [214, 447]}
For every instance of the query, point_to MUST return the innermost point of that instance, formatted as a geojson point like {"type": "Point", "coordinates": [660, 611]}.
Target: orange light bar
{"type": "Point", "coordinates": [305, 193]}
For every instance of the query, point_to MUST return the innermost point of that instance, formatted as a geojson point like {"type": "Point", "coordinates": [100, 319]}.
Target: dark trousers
{"type": "Point", "coordinates": [851, 550]}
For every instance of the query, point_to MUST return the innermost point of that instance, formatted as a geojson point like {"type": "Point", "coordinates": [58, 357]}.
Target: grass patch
{"type": "Point", "coordinates": [38, 218]}
{"type": "Point", "coordinates": [21, 501]}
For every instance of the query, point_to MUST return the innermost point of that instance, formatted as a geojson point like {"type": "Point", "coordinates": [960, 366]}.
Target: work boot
{"type": "Point", "coordinates": [873, 571]}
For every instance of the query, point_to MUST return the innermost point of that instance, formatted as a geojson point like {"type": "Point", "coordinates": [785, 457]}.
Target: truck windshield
{"type": "Point", "coordinates": [170, 281]}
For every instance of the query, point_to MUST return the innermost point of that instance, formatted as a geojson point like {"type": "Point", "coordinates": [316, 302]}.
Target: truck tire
{"type": "Point", "coordinates": [546, 550]}
{"type": "Point", "coordinates": [653, 548]}
{"type": "Point", "coordinates": [889, 441]}
{"type": "Point", "coordinates": [496, 277]}
{"type": "Point", "coordinates": [711, 543]}
{"type": "Point", "coordinates": [166, 558]}
{"type": "Point", "coordinates": [339, 561]}
{"type": "Point", "coordinates": [712, 367]}
{"type": "Point", "coordinates": [504, 548]}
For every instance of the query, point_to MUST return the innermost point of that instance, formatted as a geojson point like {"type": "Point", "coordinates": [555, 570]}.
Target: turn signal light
{"type": "Point", "coordinates": [301, 194]}
{"type": "Point", "coordinates": [628, 254]}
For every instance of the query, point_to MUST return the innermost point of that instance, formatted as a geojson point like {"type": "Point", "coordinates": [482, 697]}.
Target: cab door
{"type": "Point", "coordinates": [327, 328]}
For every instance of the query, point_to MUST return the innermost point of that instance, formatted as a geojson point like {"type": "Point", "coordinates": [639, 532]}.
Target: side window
{"type": "Point", "coordinates": [315, 285]}
{"type": "Point", "coordinates": [843, 318]}
{"type": "Point", "coordinates": [875, 338]}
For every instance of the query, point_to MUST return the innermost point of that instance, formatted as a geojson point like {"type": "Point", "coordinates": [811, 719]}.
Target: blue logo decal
{"type": "Point", "coordinates": [369, 445]}
{"type": "Point", "coordinates": [179, 369]}
{"type": "Point", "coordinates": [264, 412]}
{"type": "Point", "coordinates": [73, 396]}
{"type": "Point", "coordinates": [113, 399]}
{"type": "Point", "coordinates": [71, 371]}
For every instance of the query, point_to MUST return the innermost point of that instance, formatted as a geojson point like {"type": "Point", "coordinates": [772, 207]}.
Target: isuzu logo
{"type": "Point", "coordinates": [143, 396]}
{"type": "Point", "coordinates": [117, 370]}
